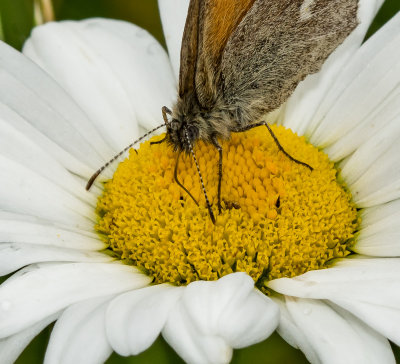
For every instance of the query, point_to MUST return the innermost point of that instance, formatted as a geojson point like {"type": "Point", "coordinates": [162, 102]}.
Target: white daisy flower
{"type": "Point", "coordinates": [147, 260]}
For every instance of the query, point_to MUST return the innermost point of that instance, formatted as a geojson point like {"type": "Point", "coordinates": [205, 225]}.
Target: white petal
{"type": "Point", "coordinates": [79, 335]}
{"type": "Point", "coordinates": [14, 256]}
{"type": "Point", "coordinates": [361, 286]}
{"type": "Point", "coordinates": [173, 16]}
{"type": "Point", "coordinates": [254, 318]}
{"type": "Point", "coordinates": [289, 331]}
{"type": "Point", "coordinates": [371, 76]}
{"type": "Point", "coordinates": [328, 332]}
{"type": "Point", "coordinates": [373, 151]}
{"type": "Point", "coordinates": [364, 132]}
{"type": "Point", "coordinates": [374, 169]}
{"type": "Point", "coordinates": [213, 317]}
{"type": "Point", "coordinates": [375, 214]}
{"type": "Point", "coordinates": [379, 234]}
{"type": "Point", "coordinates": [384, 192]}
{"type": "Point", "coordinates": [304, 108]}
{"type": "Point", "coordinates": [26, 229]}
{"type": "Point", "coordinates": [142, 66]}
{"type": "Point", "coordinates": [43, 289]}
{"type": "Point", "coordinates": [190, 344]}
{"type": "Point", "coordinates": [26, 192]}
{"type": "Point", "coordinates": [383, 319]}
{"type": "Point", "coordinates": [135, 319]}
{"type": "Point", "coordinates": [376, 345]}
{"type": "Point", "coordinates": [116, 71]}
{"type": "Point", "coordinates": [371, 280]}
{"type": "Point", "coordinates": [11, 347]}
{"type": "Point", "coordinates": [20, 148]}
{"type": "Point", "coordinates": [65, 54]}
{"type": "Point", "coordinates": [29, 96]}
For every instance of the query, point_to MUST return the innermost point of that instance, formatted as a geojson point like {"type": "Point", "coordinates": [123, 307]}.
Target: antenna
{"type": "Point", "coordinates": [219, 148]}
{"type": "Point", "coordinates": [97, 173]}
{"type": "Point", "coordinates": [201, 178]}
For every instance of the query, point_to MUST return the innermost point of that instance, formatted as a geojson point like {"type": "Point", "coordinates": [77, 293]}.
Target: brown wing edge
{"type": "Point", "coordinates": [208, 26]}
{"type": "Point", "coordinates": [189, 48]}
{"type": "Point", "coordinates": [218, 19]}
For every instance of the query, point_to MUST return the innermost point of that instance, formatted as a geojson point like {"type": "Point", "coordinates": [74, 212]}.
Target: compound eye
{"type": "Point", "coordinates": [193, 132]}
{"type": "Point", "coordinates": [175, 124]}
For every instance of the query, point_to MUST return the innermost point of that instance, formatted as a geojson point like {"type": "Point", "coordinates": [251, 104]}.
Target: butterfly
{"type": "Point", "coordinates": [241, 59]}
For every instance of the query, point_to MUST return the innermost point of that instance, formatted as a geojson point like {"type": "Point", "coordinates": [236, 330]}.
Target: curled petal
{"type": "Point", "coordinates": [214, 317]}
{"type": "Point", "coordinates": [135, 319]}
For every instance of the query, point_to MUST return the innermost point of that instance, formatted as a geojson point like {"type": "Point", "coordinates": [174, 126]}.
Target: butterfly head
{"type": "Point", "coordinates": [182, 134]}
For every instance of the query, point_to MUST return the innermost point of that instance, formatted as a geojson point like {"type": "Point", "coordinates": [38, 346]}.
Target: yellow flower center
{"type": "Point", "coordinates": [279, 219]}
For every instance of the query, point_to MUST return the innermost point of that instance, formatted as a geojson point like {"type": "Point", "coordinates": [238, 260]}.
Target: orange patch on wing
{"type": "Point", "coordinates": [221, 19]}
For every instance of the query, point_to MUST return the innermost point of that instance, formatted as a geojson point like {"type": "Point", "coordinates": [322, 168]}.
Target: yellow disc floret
{"type": "Point", "coordinates": [279, 219]}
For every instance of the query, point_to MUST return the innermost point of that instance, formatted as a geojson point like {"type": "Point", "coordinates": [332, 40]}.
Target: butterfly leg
{"type": "Point", "coordinates": [251, 126]}
{"type": "Point", "coordinates": [242, 129]}
{"type": "Point", "coordinates": [158, 141]}
{"type": "Point", "coordinates": [219, 148]}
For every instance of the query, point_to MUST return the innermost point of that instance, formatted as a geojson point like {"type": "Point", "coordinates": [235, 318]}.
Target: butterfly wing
{"type": "Point", "coordinates": [275, 46]}
{"type": "Point", "coordinates": [208, 27]}
{"type": "Point", "coordinates": [189, 49]}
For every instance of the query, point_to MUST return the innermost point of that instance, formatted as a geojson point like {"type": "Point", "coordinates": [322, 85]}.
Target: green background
{"type": "Point", "coordinates": [16, 17]}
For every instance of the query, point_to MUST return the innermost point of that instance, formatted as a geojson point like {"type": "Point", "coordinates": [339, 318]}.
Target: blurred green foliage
{"type": "Point", "coordinates": [16, 22]}
{"type": "Point", "coordinates": [388, 9]}
{"type": "Point", "coordinates": [16, 18]}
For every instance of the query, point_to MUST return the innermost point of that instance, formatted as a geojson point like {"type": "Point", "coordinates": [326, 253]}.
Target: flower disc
{"type": "Point", "coordinates": [279, 219]}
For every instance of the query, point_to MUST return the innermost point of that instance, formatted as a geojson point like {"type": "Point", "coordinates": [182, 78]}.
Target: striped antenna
{"type": "Point", "coordinates": [97, 173]}
{"type": "Point", "coordinates": [201, 178]}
